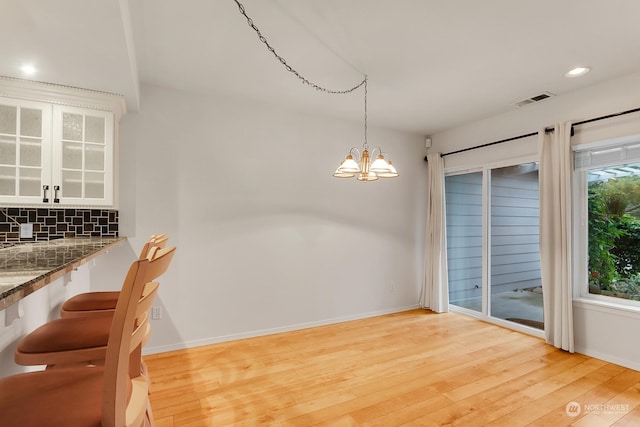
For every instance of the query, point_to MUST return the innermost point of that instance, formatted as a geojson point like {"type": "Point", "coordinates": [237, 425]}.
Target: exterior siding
{"type": "Point", "coordinates": [464, 235]}
{"type": "Point", "coordinates": [515, 229]}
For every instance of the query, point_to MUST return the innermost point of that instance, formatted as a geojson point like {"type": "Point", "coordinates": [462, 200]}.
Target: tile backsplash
{"type": "Point", "coordinates": [49, 224]}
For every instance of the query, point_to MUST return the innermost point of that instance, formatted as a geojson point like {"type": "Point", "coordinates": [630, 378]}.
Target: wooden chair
{"type": "Point", "coordinates": [113, 395]}
{"type": "Point", "coordinates": [84, 340]}
{"type": "Point", "coordinates": [99, 304]}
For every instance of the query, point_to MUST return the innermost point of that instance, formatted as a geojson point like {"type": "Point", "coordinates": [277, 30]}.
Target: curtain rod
{"type": "Point", "coordinates": [622, 113]}
{"type": "Point", "coordinates": [547, 130]}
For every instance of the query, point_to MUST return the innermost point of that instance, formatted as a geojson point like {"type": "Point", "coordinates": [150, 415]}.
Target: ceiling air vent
{"type": "Point", "coordinates": [537, 98]}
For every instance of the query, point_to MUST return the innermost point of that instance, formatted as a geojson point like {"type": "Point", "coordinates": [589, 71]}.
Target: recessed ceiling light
{"type": "Point", "coordinates": [28, 69]}
{"type": "Point", "coordinates": [577, 72]}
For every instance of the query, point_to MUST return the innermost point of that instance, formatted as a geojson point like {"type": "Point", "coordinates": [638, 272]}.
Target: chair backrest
{"type": "Point", "coordinates": [159, 266]}
{"type": "Point", "coordinates": [125, 392]}
{"type": "Point", "coordinates": [162, 258]}
{"type": "Point", "coordinates": [155, 241]}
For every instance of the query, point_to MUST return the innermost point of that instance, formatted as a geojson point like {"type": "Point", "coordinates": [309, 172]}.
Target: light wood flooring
{"type": "Point", "coordinates": [410, 368]}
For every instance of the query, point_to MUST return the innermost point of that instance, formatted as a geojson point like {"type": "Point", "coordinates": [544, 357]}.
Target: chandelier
{"type": "Point", "coordinates": [355, 162]}
{"type": "Point", "coordinates": [366, 171]}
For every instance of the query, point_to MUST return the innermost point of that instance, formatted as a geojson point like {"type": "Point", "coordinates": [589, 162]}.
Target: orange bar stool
{"type": "Point", "coordinates": [82, 340]}
{"type": "Point", "coordinates": [113, 395]}
{"type": "Point", "coordinates": [98, 304]}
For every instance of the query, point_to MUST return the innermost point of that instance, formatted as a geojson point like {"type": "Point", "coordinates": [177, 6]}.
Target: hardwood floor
{"type": "Point", "coordinates": [410, 368]}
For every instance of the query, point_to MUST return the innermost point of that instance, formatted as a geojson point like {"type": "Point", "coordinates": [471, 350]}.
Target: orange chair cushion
{"type": "Point", "coordinates": [67, 334]}
{"type": "Point", "coordinates": [92, 301]}
{"type": "Point", "coordinates": [59, 397]}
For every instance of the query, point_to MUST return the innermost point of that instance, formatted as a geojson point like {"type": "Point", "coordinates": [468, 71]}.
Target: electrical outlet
{"type": "Point", "coordinates": [26, 231]}
{"type": "Point", "coordinates": [156, 312]}
{"type": "Point", "coordinates": [393, 287]}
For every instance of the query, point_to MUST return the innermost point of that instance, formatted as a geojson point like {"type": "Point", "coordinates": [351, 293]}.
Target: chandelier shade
{"type": "Point", "coordinates": [380, 165]}
{"type": "Point", "coordinates": [339, 174]}
{"type": "Point", "coordinates": [391, 173]}
{"type": "Point", "coordinates": [349, 165]}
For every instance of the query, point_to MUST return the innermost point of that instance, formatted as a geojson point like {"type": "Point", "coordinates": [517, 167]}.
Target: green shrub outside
{"type": "Point", "coordinates": [614, 236]}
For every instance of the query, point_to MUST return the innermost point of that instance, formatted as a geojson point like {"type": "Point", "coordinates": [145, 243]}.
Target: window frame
{"type": "Point", "coordinates": [485, 282]}
{"type": "Point", "coordinates": [580, 230]}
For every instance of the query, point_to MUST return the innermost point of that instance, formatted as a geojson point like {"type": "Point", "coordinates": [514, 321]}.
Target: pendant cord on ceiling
{"type": "Point", "coordinates": [288, 67]}
{"type": "Point", "coordinates": [547, 130]}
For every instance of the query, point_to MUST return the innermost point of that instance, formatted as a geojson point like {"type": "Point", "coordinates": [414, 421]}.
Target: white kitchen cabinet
{"type": "Point", "coordinates": [25, 150]}
{"type": "Point", "coordinates": [57, 146]}
{"type": "Point", "coordinates": [82, 172]}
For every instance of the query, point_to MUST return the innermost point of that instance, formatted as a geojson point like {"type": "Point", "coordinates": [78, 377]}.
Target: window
{"type": "Point", "coordinates": [609, 181]}
{"type": "Point", "coordinates": [493, 243]}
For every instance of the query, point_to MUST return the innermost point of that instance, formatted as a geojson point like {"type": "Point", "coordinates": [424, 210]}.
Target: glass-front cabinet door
{"type": "Point", "coordinates": [25, 150]}
{"type": "Point", "coordinates": [55, 154]}
{"type": "Point", "coordinates": [82, 156]}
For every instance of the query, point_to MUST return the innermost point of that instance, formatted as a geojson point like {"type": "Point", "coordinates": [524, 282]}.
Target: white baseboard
{"type": "Point", "coordinates": [262, 332]}
{"type": "Point", "coordinates": [631, 364]}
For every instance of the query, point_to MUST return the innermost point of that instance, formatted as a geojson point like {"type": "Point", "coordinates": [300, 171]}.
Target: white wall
{"type": "Point", "coordinates": [601, 330]}
{"type": "Point", "coordinates": [267, 239]}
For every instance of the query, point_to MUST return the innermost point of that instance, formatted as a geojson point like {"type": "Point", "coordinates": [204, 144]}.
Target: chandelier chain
{"type": "Point", "coordinates": [366, 144]}
{"type": "Point", "coordinates": [291, 69]}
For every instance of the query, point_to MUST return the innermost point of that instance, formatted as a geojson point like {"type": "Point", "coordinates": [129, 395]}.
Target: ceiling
{"type": "Point", "coordinates": [431, 64]}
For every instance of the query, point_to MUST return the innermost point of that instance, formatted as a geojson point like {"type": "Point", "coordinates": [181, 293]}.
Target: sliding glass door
{"type": "Point", "coordinates": [493, 243]}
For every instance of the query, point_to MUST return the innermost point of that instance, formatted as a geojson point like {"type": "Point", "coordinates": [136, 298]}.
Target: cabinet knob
{"type": "Point", "coordinates": [56, 188]}
{"type": "Point", "coordinates": [45, 198]}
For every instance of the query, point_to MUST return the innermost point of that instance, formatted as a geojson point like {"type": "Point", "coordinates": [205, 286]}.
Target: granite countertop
{"type": "Point", "coordinates": [27, 267]}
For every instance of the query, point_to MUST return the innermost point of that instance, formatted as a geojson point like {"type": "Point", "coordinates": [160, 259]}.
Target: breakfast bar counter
{"type": "Point", "coordinates": [27, 267]}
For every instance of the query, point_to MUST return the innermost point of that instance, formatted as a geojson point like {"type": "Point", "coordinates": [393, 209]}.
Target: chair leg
{"type": "Point", "coordinates": [148, 421]}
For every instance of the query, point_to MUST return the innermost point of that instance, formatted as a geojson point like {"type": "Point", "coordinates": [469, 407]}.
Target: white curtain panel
{"type": "Point", "coordinates": [555, 234]}
{"type": "Point", "coordinates": [435, 289]}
